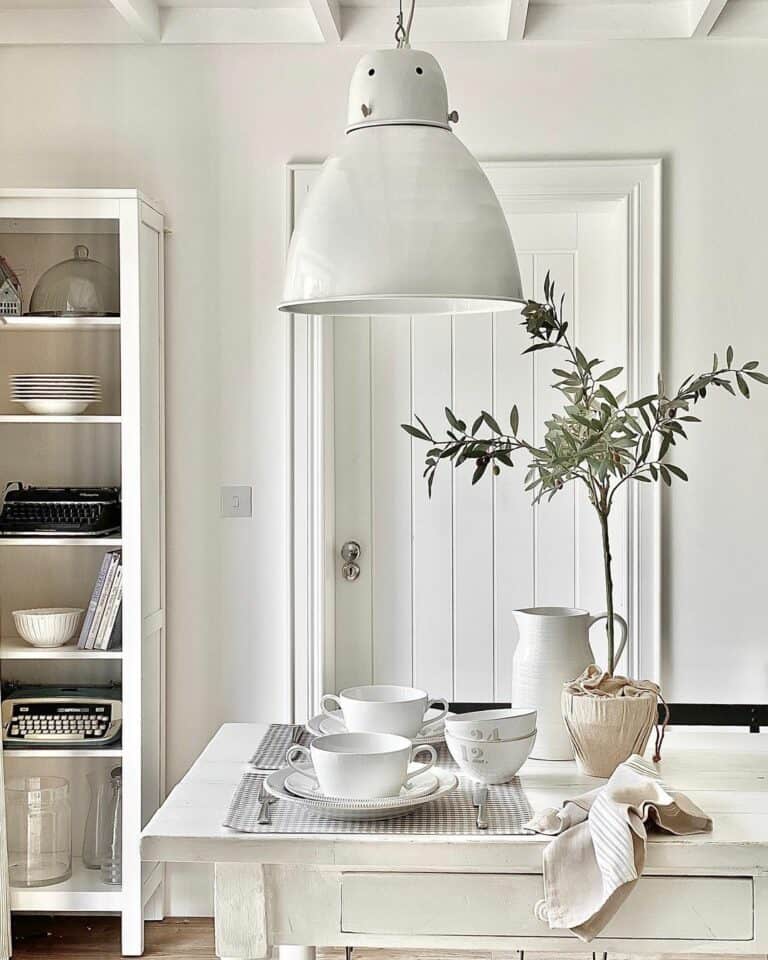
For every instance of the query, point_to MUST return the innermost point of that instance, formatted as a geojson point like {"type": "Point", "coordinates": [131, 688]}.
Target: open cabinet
{"type": "Point", "coordinates": [116, 442]}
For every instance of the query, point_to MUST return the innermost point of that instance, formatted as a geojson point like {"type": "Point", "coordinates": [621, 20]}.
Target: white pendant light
{"type": "Point", "coordinates": [402, 219]}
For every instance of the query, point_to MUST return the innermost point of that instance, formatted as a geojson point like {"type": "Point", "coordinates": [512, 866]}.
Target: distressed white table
{"type": "Point", "coordinates": [706, 894]}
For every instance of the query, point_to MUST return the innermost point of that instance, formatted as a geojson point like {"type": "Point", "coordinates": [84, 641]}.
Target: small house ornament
{"type": "Point", "coordinates": [10, 291]}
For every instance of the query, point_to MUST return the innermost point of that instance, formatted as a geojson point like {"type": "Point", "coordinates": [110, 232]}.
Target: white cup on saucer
{"type": "Point", "coordinates": [384, 708]}
{"type": "Point", "coordinates": [360, 766]}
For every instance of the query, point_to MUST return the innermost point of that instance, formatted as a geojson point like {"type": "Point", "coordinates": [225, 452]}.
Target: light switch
{"type": "Point", "coordinates": [236, 501]}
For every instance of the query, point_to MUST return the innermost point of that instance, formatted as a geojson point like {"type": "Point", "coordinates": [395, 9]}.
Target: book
{"type": "Point", "coordinates": [110, 611]}
{"type": "Point", "coordinates": [114, 562]}
{"type": "Point", "coordinates": [93, 602]}
{"type": "Point", "coordinates": [115, 641]}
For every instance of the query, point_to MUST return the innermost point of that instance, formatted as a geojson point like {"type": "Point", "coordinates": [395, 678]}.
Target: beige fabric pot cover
{"type": "Point", "coordinates": [608, 719]}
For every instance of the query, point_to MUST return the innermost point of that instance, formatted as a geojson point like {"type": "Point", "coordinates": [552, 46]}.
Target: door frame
{"type": "Point", "coordinates": [312, 560]}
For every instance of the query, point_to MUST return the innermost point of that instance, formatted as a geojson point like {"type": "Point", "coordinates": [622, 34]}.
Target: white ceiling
{"type": "Point", "coordinates": [368, 22]}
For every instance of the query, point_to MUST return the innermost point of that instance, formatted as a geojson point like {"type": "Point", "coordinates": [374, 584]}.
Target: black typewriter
{"type": "Point", "coordinates": [60, 511]}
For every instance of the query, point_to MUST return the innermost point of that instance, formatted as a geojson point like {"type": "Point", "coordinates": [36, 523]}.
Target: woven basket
{"type": "Point", "coordinates": [606, 731]}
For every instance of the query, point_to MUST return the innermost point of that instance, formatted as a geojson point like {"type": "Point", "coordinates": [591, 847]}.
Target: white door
{"type": "Point", "coordinates": [439, 578]}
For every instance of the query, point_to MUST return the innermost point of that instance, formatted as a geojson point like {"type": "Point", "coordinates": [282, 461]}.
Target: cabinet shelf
{"type": "Point", "coordinates": [40, 228]}
{"type": "Point", "coordinates": [57, 753]}
{"type": "Point", "coordinates": [59, 323]}
{"type": "Point", "coordinates": [41, 418]}
{"type": "Point", "coordinates": [83, 892]}
{"type": "Point", "coordinates": [61, 541]}
{"type": "Point", "coordinates": [14, 648]}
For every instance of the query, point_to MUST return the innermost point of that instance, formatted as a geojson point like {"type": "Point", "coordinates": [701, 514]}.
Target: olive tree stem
{"type": "Point", "coordinates": [609, 626]}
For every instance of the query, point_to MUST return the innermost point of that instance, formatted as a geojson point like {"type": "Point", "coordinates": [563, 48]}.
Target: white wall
{"type": "Point", "coordinates": [208, 130]}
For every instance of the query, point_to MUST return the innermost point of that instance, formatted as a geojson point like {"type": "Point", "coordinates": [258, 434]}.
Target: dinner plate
{"type": "Point", "coordinates": [346, 809]}
{"type": "Point", "coordinates": [302, 785]}
{"type": "Point", "coordinates": [322, 724]}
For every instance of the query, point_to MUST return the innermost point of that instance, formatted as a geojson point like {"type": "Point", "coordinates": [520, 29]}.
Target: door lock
{"type": "Point", "coordinates": [350, 554]}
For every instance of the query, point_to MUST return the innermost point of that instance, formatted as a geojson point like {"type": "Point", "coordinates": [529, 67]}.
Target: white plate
{"type": "Point", "coordinates": [322, 724]}
{"type": "Point", "coordinates": [346, 809]}
{"type": "Point", "coordinates": [56, 408]}
{"type": "Point", "coordinates": [56, 395]}
{"type": "Point", "coordinates": [421, 786]}
{"type": "Point", "coordinates": [35, 377]}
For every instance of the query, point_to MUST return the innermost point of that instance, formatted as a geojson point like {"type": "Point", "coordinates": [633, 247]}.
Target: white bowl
{"type": "Point", "coordinates": [48, 627]}
{"type": "Point", "coordinates": [494, 762]}
{"type": "Point", "coordinates": [55, 408]}
{"type": "Point", "coordinates": [484, 725]}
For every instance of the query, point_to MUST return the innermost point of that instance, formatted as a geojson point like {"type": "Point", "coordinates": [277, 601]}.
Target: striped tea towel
{"type": "Point", "coordinates": [598, 851]}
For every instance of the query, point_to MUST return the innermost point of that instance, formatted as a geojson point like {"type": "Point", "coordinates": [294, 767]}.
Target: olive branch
{"type": "Point", "coordinates": [598, 439]}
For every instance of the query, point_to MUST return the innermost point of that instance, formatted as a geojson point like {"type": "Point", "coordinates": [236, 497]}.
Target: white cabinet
{"type": "Point", "coordinates": [119, 442]}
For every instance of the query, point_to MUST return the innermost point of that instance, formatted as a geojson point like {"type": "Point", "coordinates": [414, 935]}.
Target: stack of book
{"type": "Point", "coordinates": [102, 625]}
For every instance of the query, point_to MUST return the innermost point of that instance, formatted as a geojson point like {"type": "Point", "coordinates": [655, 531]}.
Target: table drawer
{"type": "Point", "coordinates": [501, 905]}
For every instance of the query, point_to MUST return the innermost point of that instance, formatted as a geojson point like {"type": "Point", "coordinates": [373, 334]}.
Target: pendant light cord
{"type": "Point", "coordinates": [403, 31]}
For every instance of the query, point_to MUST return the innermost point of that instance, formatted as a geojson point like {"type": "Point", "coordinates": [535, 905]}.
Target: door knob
{"type": "Point", "coordinates": [350, 554]}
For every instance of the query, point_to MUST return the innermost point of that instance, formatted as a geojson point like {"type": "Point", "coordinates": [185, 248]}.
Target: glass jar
{"type": "Point", "coordinates": [79, 287]}
{"type": "Point", "coordinates": [39, 815]}
{"type": "Point", "coordinates": [111, 846]}
{"type": "Point", "coordinates": [99, 812]}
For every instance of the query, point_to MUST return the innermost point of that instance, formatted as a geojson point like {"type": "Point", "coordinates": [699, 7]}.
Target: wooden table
{"type": "Point", "coordinates": [706, 894]}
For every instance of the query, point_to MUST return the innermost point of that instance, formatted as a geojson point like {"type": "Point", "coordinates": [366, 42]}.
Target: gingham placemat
{"type": "Point", "coordinates": [270, 754]}
{"type": "Point", "coordinates": [454, 814]}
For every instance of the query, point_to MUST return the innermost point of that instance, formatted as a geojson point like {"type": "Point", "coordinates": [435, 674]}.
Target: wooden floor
{"type": "Point", "coordinates": [98, 938]}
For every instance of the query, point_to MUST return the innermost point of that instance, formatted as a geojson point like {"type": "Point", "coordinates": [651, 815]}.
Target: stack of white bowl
{"type": "Point", "coordinates": [490, 746]}
{"type": "Point", "coordinates": [55, 394]}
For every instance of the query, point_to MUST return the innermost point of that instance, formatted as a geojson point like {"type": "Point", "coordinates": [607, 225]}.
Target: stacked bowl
{"type": "Point", "coordinates": [490, 746]}
{"type": "Point", "coordinates": [55, 394]}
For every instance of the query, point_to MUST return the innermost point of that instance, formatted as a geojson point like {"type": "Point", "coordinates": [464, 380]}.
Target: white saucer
{"type": "Point", "coordinates": [347, 809]}
{"type": "Point", "coordinates": [322, 724]}
{"type": "Point", "coordinates": [421, 786]}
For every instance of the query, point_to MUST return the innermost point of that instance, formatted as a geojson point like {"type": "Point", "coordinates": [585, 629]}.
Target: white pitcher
{"type": "Point", "coordinates": [553, 648]}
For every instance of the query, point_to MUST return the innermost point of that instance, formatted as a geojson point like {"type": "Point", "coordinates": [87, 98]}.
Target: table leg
{"type": "Point", "coordinates": [296, 953]}
{"type": "Point", "coordinates": [239, 908]}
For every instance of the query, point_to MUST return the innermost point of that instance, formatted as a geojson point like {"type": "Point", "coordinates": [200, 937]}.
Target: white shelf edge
{"type": "Point", "coordinates": [14, 648]}
{"type": "Point", "coordinates": [58, 753]}
{"type": "Point", "coordinates": [41, 418]}
{"type": "Point", "coordinates": [61, 541]}
{"type": "Point", "coordinates": [83, 892]}
{"type": "Point", "coordinates": [59, 323]}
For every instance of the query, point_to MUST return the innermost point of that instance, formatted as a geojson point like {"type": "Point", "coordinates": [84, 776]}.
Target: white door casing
{"type": "Point", "coordinates": [439, 578]}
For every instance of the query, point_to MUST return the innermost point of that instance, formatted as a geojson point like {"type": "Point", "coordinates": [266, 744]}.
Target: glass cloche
{"type": "Point", "coordinates": [79, 287]}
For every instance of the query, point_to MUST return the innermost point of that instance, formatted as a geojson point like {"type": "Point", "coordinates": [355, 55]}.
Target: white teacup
{"type": "Point", "coordinates": [360, 766]}
{"type": "Point", "coordinates": [384, 708]}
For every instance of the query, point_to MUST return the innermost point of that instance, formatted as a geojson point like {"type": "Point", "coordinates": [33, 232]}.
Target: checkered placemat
{"type": "Point", "coordinates": [454, 814]}
{"type": "Point", "coordinates": [270, 754]}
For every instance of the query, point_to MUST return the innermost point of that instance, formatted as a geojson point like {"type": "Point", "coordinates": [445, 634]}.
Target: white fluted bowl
{"type": "Point", "coordinates": [49, 626]}
{"type": "Point", "coordinates": [494, 762]}
{"type": "Point", "coordinates": [511, 723]}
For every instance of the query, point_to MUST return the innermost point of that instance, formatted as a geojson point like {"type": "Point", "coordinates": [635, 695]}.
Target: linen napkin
{"type": "Point", "coordinates": [598, 851]}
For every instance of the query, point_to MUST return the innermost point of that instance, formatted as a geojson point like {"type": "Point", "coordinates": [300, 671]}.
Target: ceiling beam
{"type": "Point", "coordinates": [516, 14]}
{"type": "Point", "coordinates": [328, 18]}
{"type": "Point", "coordinates": [704, 15]}
{"type": "Point", "coordinates": [142, 16]}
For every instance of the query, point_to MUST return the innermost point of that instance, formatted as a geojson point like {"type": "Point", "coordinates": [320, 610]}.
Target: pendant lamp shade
{"type": "Point", "coordinates": [402, 220]}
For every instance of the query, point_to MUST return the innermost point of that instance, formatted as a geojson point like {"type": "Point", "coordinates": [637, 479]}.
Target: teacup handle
{"type": "Point", "coordinates": [292, 755]}
{"type": "Point", "coordinates": [334, 699]}
{"type": "Point", "coordinates": [443, 704]}
{"type": "Point", "coordinates": [421, 748]}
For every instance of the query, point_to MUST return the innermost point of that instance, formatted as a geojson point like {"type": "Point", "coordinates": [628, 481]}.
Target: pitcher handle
{"type": "Point", "coordinates": [623, 630]}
